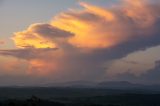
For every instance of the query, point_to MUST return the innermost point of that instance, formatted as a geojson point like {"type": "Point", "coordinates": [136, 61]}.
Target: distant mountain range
{"type": "Point", "coordinates": [115, 85]}
{"type": "Point", "coordinates": [105, 85]}
{"type": "Point", "coordinates": [119, 85]}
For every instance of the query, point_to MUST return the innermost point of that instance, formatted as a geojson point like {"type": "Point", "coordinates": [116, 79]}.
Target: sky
{"type": "Point", "coordinates": [79, 40]}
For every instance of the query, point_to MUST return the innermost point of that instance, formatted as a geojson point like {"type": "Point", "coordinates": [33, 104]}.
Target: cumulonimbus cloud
{"type": "Point", "coordinates": [89, 38]}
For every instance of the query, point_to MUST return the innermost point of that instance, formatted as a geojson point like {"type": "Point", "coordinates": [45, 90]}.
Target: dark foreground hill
{"type": "Point", "coordinates": [108, 100]}
{"type": "Point", "coordinates": [48, 96]}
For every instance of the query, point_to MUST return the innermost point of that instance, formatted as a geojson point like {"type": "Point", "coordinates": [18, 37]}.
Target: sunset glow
{"type": "Point", "coordinates": [89, 42]}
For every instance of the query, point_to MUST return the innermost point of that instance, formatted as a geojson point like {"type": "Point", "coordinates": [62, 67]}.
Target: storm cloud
{"type": "Point", "coordinates": [81, 44]}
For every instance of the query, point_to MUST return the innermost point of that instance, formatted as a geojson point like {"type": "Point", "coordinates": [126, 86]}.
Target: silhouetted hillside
{"type": "Point", "coordinates": [108, 100]}
{"type": "Point", "coordinates": [33, 101]}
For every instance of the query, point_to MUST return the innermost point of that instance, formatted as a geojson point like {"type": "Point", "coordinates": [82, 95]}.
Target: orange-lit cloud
{"type": "Point", "coordinates": [93, 27]}
{"type": "Point", "coordinates": [14, 66]}
{"type": "Point", "coordinates": [39, 36]}
{"type": "Point", "coordinates": [141, 13]}
{"type": "Point", "coordinates": [108, 15]}
{"type": "Point", "coordinates": [96, 27]}
{"type": "Point", "coordinates": [39, 67]}
{"type": "Point", "coordinates": [107, 33]}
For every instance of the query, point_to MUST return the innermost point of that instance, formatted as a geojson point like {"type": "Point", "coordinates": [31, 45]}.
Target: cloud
{"type": "Point", "coordinates": [97, 27]}
{"type": "Point", "coordinates": [157, 63]}
{"type": "Point", "coordinates": [13, 65]}
{"type": "Point", "coordinates": [150, 77]}
{"type": "Point", "coordinates": [27, 53]}
{"type": "Point", "coordinates": [39, 36]}
{"type": "Point", "coordinates": [130, 62]}
{"type": "Point", "coordinates": [38, 61]}
{"type": "Point", "coordinates": [49, 31]}
{"type": "Point", "coordinates": [88, 40]}
{"type": "Point", "coordinates": [2, 42]}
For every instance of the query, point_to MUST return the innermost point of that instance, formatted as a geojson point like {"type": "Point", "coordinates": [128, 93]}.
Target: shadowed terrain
{"type": "Point", "coordinates": [71, 96]}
